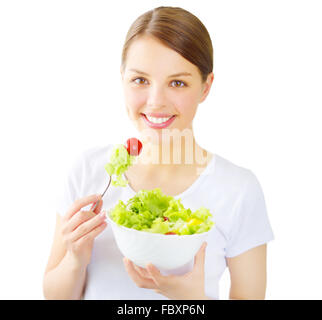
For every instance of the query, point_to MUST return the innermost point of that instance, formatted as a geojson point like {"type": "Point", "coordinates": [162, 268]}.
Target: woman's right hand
{"type": "Point", "coordinates": [80, 228]}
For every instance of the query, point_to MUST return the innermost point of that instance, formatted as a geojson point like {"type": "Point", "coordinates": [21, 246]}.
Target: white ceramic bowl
{"type": "Point", "coordinates": [166, 252]}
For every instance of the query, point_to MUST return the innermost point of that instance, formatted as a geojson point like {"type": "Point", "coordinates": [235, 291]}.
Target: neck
{"type": "Point", "coordinates": [169, 157]}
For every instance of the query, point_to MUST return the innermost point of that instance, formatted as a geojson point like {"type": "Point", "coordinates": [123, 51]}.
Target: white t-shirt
{"type": "Point", "coordinates": [231, 193]}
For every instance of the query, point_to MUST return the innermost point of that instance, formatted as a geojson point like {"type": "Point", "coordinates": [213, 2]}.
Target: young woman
{"type": "Point", "coordinates": [167, 71]}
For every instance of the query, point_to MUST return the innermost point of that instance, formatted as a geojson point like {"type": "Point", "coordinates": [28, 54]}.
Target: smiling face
{"type": "Point", "coordinates": [161, 88]}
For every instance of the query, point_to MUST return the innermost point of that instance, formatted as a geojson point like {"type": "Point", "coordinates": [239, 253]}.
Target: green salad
{"type": "Point", "coordinates": [152, 211]}
{"type": "Point", "coordinates": [120, 160]}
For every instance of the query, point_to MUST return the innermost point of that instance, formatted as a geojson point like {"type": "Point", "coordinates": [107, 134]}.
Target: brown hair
{"type": "Point", "coordinates": [177, 29]}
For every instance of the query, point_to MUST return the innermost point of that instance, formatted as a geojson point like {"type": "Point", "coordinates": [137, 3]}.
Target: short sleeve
{"type": "Point", "coordinates": [69, 190]}
{"type": "Point", "coordinates": [251, 226]}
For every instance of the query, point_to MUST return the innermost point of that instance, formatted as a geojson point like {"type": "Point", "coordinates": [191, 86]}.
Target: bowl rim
{"type": "Point", "coordinates": [196, 235]}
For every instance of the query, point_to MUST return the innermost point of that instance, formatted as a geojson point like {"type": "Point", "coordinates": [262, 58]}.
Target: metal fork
{"type": "Point", "coordinates": [97, 202]}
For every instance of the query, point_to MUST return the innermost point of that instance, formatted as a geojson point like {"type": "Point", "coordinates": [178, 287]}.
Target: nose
{"type": "Point", "coordinates": [156, 97]}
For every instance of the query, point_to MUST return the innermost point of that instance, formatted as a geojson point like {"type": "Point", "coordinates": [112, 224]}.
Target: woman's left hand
{"type": "Point", "coordinates": [190, 286]}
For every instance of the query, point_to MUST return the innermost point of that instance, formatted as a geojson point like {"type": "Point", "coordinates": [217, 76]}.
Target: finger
{"type": "Point", "coordinates": [98, 204]}
{"type": "Point", "coordinates": [93, 233]}
{"type": "Point", "coordinates": [156, 275]}
{"type": "Point", "coordinates": [80, 203]}
{"type": "Point", "coordinates": [199, 261]}
{"type": "Point", "coordinates": [87, 226]}
{"type": "Point", "coordinates": [140, 281]}
{"type": "Point", "coordinates": [77, 219]}
{"type": "Point", "coordinates": [142, 271]}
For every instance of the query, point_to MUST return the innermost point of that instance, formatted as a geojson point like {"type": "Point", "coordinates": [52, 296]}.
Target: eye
{"type": "Point", "coordinates": [139, 80]}
{"type": "Point", "coordinates": [178, 84]}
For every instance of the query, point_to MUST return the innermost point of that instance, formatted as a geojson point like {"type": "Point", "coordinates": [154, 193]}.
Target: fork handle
{"type": "Point", "coordinates": [94, 206]}
{"type": "Point", "coordinates": [98, 201]}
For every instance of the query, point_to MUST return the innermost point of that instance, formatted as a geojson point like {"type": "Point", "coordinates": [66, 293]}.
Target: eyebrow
{"type": "Point", "coordinates": [173, 75]}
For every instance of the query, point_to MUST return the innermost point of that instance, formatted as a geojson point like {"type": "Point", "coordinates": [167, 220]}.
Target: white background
{"type": "Point", "coordinates": [60, 93]}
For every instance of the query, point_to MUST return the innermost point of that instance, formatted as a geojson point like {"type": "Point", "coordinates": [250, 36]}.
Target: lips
{"type": "Point", "coordinates": [158, 115]}
{"type": "Point", "coordinates": [158, 125]}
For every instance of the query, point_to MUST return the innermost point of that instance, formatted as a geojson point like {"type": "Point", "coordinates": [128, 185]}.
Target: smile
{"type": "Point", "coordinates": [157, 123]}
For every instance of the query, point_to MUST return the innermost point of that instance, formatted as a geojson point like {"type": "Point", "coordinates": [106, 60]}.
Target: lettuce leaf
{"type": "Point", "coordinates": [120, 160]}
{"type": "Point", "coordinates": [152, 211]}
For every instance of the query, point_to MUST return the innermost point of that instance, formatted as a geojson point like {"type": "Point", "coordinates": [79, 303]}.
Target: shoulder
{"type": "Point", "coordinates": [233, 177]}
{"type": "Point", "coordinates": [89, 160]}
{"type": "Point", "coordinates": [95, 154]}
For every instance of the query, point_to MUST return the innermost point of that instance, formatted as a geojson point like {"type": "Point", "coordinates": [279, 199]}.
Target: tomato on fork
{"type": "Point", "coordinates": [133, 146]}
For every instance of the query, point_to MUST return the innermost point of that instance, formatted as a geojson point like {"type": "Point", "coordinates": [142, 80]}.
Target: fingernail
{"type": "Point", "coordinates": [149, 266]}
{"type": "Point", "coordinates": [102, 214]}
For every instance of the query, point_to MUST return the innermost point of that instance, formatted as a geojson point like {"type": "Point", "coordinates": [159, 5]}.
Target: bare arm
{"type": "Point", "coordinates": [71, 251]}
{"type": "Point", "coordinates": [248, 274]}
{"type": "Point", "coordinates": [64, 278]}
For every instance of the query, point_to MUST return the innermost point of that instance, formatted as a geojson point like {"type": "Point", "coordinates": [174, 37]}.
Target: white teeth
{"type": "Point", "coordinates": [157, 120]}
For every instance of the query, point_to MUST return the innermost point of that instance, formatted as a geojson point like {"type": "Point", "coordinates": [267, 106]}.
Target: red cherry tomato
{"type": "Point", "coordinates": [170, 233]}
{"type": "Point", "coordinates": [133, 146]}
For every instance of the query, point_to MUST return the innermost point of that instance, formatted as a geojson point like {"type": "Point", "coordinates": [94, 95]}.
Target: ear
{"type": "Point", "coordinates": [206, 87]}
